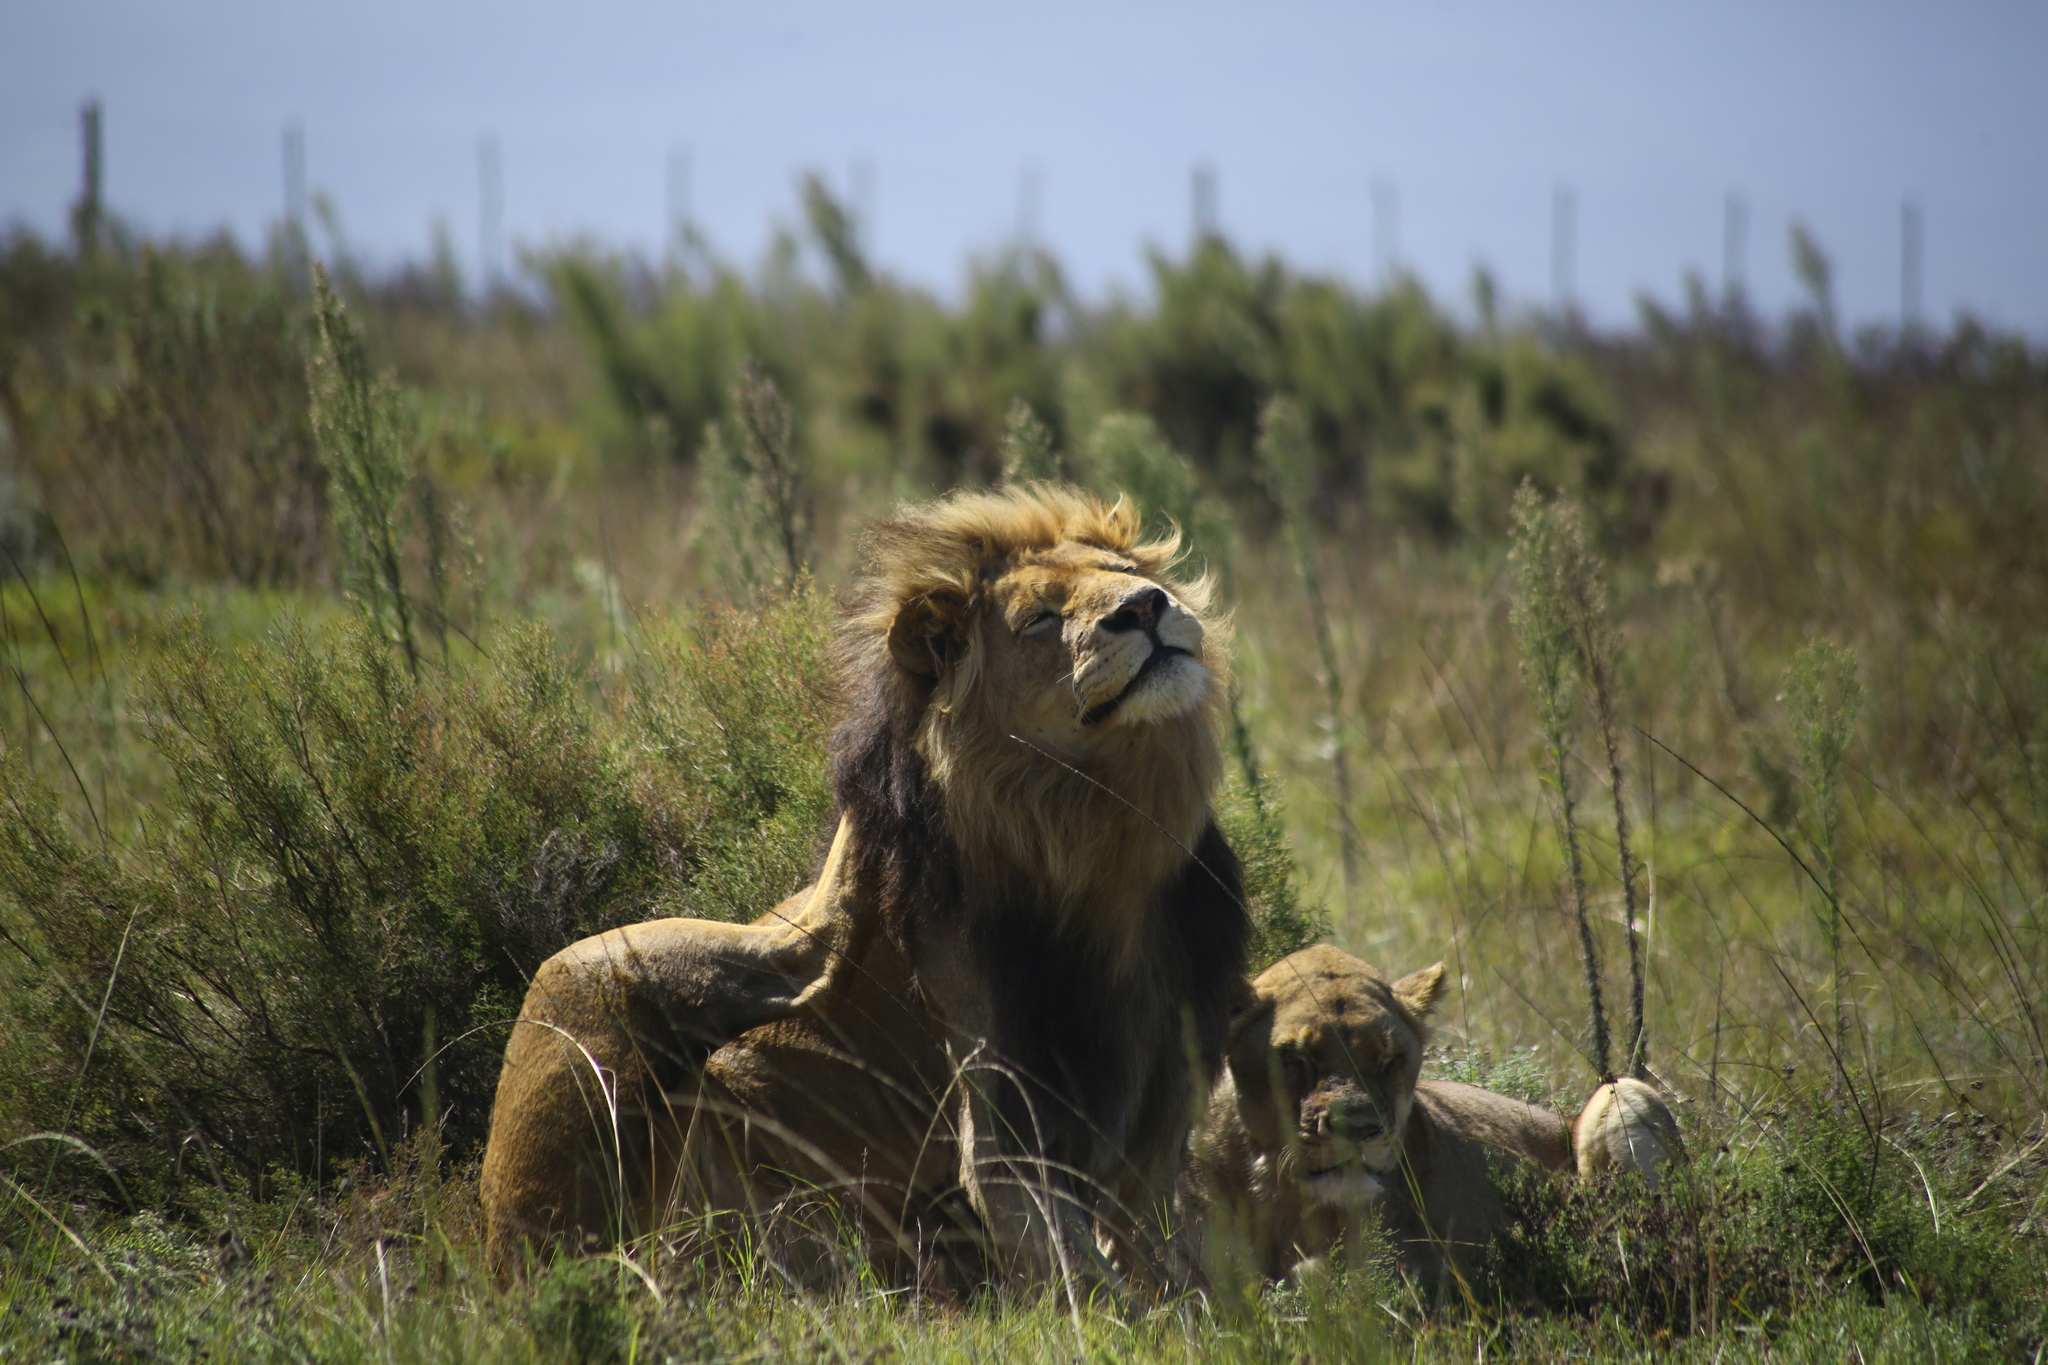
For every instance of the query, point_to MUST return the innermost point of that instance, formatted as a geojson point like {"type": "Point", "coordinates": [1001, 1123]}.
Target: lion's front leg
{"type": "Point", "coordinates": [1039, 1224]}
{"type": "Point", "coordinates": [583, 1137]}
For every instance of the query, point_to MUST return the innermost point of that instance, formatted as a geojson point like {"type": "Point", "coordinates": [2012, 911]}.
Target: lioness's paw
{"type": "Point", "coordinates": [1627, 1126]}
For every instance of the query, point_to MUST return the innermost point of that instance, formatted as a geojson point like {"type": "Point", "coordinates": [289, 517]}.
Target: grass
{"type": "Point", "coordinates": [300, 785]}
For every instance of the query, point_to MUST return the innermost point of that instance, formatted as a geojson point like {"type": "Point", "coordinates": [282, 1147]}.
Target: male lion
{"type": "Point", "coordinates": [970, 1041]}
{"type": "Point", "coordinates": [1319, 1121]}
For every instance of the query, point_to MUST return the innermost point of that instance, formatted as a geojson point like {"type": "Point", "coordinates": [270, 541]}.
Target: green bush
{"type": "Point", "coordinates": [1810, 1214]}
{"type": "Point", "coordinates": [1282, 920]}
{"type": "Point", "coordinates": [322, 941]}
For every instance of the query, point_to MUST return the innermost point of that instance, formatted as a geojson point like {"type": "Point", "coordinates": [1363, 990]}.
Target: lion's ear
{"type": "Point", "coordinates": [1244, 998]}
{"type": "Point", "coordinates": [925, 636]}
{"type": "Point", "coordinates": [1254, 1072]}
{"type": "Point", "coordinates": [1420, 991]}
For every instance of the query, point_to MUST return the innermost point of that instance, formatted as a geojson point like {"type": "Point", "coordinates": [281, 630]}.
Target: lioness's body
{"type": "Point", "coordinates": [1440, 1202]}
{"type": "Point", "coordinates": [1320, 1125]}
{"type": "Point", "coordinates": [971, 1038]}
{"type": "Point", "coordinates": [1438, 1197]}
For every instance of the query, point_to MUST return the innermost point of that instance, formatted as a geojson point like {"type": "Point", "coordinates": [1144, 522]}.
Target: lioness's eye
{"type": "Point", "coordinates": [1039, 620]}
{"type": "Point", "coordinates": [1392, 1064]}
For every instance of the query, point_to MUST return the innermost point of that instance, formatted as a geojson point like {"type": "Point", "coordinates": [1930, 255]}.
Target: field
{"type": "Point", "coordinates": [363, 652]}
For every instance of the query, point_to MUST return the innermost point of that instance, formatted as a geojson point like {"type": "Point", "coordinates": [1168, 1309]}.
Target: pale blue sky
{"type": "Point", "coordinates": [1472, 111]}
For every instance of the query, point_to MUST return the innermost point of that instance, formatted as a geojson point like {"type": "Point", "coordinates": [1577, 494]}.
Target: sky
{"type": "Point", "coordinates": [1342, 135]}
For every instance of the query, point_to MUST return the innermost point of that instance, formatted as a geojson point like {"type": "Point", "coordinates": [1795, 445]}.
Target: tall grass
{"type": "Point", "coordinates": [1823, 696]}
{"type": "Point", "coordinates": [1549, 553]}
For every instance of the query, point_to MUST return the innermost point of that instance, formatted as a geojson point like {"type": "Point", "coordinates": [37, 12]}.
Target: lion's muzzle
{"type": "Point", "coordinates": [1140, 660]}
{"type": "Point", "coordinates": [1343, 1126]}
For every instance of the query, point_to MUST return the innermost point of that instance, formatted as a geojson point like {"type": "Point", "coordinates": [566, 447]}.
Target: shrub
{"type": "Point", "coordinates": [1809, 1215]}
{"type": "Point", "coordinates": [323, 939]}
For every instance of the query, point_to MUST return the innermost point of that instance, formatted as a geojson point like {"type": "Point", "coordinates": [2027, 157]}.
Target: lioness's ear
{"type": "Point", "coordinates": [925, 636]}
{"type": "Point", "coordinates": [1420, 991]}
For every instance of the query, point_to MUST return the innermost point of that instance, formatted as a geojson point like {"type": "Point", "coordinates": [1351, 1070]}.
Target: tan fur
{"type": "Point", "coordinates": [1320, 1122]}
{"type": "Point", "coordinates": [1627, 1127]}
{"type": "Point", "coordinates": [829, 1067]}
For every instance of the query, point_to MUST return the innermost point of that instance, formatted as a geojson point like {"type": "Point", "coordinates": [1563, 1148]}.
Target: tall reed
{"type": "Point", "coordinates": [1286, 464]}
{"type": "Point", "coordinates": [1825, 698]}
{"type": "Point", "coordinates": [1599, 650]}
{"type": "Point", "coordinates": [364, 435]}
{"type": "Point", "coordinates": [1546, 625]}
{"type": "Point", "coordinates": [757, 494]}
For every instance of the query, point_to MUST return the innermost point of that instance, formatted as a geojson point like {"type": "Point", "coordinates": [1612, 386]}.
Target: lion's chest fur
{"type": "Point", "coordinates": [857, 1097]}
{"type": "Point", "coordinates": [1103, 1040]}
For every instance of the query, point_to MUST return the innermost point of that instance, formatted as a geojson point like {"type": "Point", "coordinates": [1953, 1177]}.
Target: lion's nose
{"type": "Point", "coordinates": [1357, 1119]}
{"type": "Point", "coordinates": [1140, 611]}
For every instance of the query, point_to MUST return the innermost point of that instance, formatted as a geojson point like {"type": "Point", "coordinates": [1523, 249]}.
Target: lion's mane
{"type": "Point", "coordinates": [1100, 908]}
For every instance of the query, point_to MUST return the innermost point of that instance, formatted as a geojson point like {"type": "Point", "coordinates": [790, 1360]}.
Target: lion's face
{"type": "Point", "coordinates": [1078, 643]}
{"type": "Point", "coordinates": [1325, 1063]}
{"type": "Point", "coordinates": [1058, 685]}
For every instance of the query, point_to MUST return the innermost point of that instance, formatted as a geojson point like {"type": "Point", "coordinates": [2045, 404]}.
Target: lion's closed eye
{"type": "Point", "coordinates": [1296, 1071]}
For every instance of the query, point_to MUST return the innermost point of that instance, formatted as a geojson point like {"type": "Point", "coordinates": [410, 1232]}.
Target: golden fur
{"type": "Point", "coordinates": [1320, 1123]}
{"type": "Point", "coordinates": [936, 603]}
{"type": "Point", "coordinates": [1026, 920]}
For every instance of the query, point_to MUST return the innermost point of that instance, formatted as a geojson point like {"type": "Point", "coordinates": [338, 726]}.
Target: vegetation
{"type": "Point", "coordinates": [364, 643]}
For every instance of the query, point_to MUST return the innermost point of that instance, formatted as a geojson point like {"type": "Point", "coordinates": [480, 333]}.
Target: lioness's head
{"type": "Point", "coordinates": [1324, 1060]}
{"type": "Point", "coordinates": [1055, 679]}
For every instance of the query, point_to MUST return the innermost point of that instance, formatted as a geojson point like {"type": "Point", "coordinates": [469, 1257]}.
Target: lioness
{"type": "Point", "coordinates": [1319, 1121]}
{"type": "Point", "coordinates": [969, 1040]}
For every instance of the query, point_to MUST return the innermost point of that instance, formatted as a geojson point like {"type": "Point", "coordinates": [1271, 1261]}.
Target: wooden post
{"type": "Point", "coordinates": [87, 213]}
{"type": "Point", "coordinates": [1910, 243]}
{"type": "Point", "coordinates": [1386, 230]}
{"type": "Point", "coordinates": [1030, 194]}
{"type": "Point", "coordinates": [1564, 227]}
{"type": "Point", "coordinates": [1205, 202]}
{"type": "Point", "coordinates": [295, 252]}
{"type": "Point", "coordinates": [491, 217]}
{"type": "Point", "coordinates": [1734, 249]}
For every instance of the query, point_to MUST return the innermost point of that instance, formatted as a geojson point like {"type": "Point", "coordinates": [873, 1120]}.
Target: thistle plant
{"type": "Point", "coordinates": [756, 495]}
{"type": "Point", "coordinates": [1545, 622]}
{"type": "Point", "coordinates": [364, 434]}
{"type": "Point", "coordinates": [1286, 464]}
{"type": "Point", "coordinates": [1822, 692]}
{"type": "Point", "coordinates": [1593, 632]}
{"type": "Point", "coordinates": [1128, 455]}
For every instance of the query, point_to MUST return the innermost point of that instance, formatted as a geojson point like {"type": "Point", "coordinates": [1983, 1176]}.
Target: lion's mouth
{"type": "Point", "coordinates": [1328, 1160]}
{"type": "Point", "coordinates": [1157, 659]}
{"type": "Point", "coordinates": [1347, 1184]}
